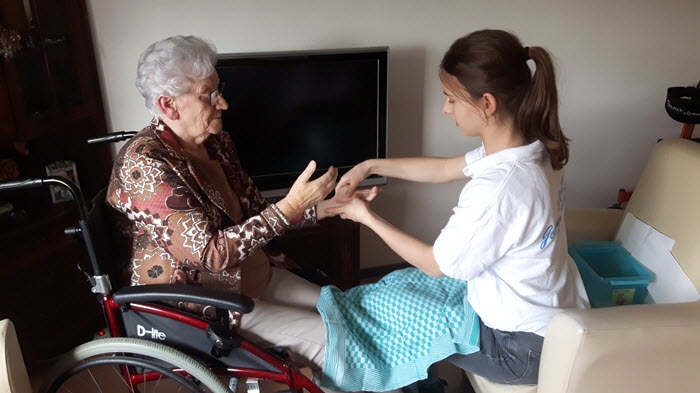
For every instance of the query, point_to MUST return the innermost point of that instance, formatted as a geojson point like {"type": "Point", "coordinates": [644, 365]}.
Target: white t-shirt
{"type": "Point", "coordinates": [507, 239]}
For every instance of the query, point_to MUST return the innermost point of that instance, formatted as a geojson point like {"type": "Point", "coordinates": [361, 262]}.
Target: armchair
{"type": "Point", "coordinates": [635, 348]}
{"type": "Point", "coordinates": [13, 373]}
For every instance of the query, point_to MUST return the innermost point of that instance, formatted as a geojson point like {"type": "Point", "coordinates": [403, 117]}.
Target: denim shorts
{"type": "Point", "coordinates": [504, 357]}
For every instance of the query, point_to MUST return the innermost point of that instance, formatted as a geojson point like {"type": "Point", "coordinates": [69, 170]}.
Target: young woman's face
{"type": "Point", "coordinates": [468, 118]}
{"type": "Point", "coordinates": [201, 114]}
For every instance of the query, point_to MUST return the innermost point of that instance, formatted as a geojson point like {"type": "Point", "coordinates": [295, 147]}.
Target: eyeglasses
{"type": "Point", "coordinates": [214, 95]}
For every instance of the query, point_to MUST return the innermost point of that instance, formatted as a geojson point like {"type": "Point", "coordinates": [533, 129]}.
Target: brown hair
{"type": "Point", "coordinates": [495, 62]}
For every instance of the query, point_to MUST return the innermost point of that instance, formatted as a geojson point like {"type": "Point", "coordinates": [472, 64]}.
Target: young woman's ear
{"type": "Point", "coordinates": [489, 104]}
{"type": "Point", "coordinates": [168, 107]}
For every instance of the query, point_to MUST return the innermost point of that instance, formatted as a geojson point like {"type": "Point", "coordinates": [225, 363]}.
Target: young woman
{"type": "Point", "coordinates": [506, 237]}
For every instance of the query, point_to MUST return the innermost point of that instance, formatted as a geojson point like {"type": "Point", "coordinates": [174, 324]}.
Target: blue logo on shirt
{"type": "Point", "coordinates": [549, 233]}
{"type": "Point", "coordinates": [554, 229]}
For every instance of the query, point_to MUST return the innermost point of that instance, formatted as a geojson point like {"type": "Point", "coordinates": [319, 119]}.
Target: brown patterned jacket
{"type": "Point", "coordinates": [182, 230]}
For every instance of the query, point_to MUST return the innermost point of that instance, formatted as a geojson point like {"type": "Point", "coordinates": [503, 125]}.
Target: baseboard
{"type": "Point", "coordinates": [381, 270]}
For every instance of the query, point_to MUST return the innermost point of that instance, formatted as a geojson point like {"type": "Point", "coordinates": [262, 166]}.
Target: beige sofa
{"type": "Point", "coordinates": [636, 348]}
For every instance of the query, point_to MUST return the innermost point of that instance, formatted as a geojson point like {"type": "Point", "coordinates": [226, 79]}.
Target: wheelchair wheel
{"type": "Point", "coordinates": [129, 365]}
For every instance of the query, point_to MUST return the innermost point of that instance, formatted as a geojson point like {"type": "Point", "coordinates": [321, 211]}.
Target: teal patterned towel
{"type": "Point", "coordinates": [384, 336]}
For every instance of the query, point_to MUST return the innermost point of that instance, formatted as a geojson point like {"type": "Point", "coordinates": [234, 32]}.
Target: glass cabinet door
{"type": "Point", "coordinates": [42, 76]}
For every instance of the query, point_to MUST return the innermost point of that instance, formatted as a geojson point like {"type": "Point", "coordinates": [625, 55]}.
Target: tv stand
{"type": "Point", "coordinates": [328, 252]}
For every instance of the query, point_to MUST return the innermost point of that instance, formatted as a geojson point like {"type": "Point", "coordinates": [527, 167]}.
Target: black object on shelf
{"type": "Point", "coordinates": [683, 105]}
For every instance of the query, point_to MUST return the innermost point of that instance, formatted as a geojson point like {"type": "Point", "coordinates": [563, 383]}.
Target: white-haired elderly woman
{"type": "Point", "coordinates": [195, 215]}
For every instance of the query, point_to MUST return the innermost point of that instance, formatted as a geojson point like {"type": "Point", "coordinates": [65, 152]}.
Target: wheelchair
{"type": "Point", "coordinates": [152, 346]}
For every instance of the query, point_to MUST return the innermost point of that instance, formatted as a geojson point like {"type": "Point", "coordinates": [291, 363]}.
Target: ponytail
{"type": "Point", "coordinates": [538, 114]}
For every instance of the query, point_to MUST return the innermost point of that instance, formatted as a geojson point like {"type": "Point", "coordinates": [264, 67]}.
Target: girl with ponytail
{"type": "Point", "coordinates": [506, 237]}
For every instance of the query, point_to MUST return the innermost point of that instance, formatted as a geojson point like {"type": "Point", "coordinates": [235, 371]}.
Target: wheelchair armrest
{"type": "Point", "coordinates": [184, 293]}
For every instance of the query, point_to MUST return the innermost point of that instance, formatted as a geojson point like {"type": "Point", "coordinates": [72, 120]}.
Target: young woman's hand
{"type": "Point", "coordinates": [355, 208]}
{"type": "Point", "coordinates": [349, 181]}
{"type": "Point", "coordinates": [305, 194]}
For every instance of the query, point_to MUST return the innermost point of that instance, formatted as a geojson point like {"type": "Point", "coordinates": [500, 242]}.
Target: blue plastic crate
{"type": "Point", "coordinates": [611, 275]}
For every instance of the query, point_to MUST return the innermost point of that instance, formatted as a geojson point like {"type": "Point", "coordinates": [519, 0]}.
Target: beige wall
{"type": "Point", "coordinates": [615, 60]}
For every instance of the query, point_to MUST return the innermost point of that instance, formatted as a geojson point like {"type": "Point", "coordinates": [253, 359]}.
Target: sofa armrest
{"type": "Point", "coordinates": [637, 348]}
{"type": "Point", "coordinates": [592, 224]}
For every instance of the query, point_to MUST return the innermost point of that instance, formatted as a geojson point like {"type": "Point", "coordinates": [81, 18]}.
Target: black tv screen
{"type": "Point", "coordinates": [287, 108]}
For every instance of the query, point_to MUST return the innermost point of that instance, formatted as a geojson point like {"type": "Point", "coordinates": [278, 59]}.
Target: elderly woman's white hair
{"type": "Point", "coordinates": [169, 68]}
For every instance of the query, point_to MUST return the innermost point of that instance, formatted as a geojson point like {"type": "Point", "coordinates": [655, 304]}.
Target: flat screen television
{"type": "Point", "coordinates": [287, 108]}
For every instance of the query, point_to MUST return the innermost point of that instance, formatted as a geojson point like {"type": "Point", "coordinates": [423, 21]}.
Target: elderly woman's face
{"type": "Point", "coordinates": [200, 115]}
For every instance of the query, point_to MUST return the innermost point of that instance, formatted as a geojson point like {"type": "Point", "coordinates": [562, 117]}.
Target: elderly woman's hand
{"type": "Point", "coordinates": [305, 194]}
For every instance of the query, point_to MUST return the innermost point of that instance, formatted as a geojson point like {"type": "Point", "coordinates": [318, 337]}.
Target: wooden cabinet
{"type": "Point", "coordinates": [328, 252]}
{"type": "Point", "coordinates": [50, 104]}
{"type": "Point", "coordinates": [50, 95]}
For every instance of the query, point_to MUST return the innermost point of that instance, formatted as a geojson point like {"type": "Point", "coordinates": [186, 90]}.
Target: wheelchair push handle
{"type": "Point", "coordinates": [36, 182]}
{"type": "Point", "coordinates": [113, 137]}
{"type": "Point", "coordinates": [21, 184]}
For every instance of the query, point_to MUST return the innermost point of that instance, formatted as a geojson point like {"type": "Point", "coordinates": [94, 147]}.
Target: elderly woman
{"type": "Point", "coordinates": [197, 218]}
